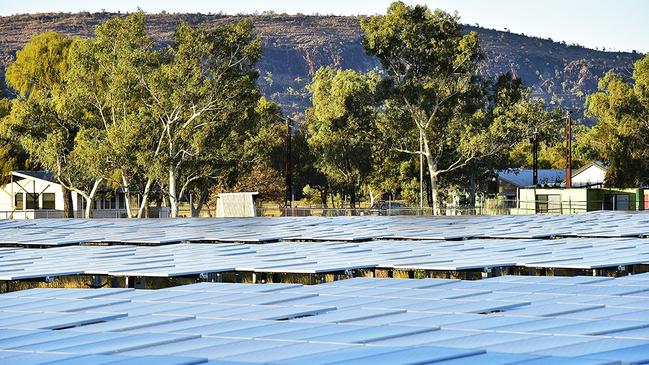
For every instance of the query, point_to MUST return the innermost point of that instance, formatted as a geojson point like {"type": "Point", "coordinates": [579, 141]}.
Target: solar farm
{"type": "Point", "coordinates": [570, 289]}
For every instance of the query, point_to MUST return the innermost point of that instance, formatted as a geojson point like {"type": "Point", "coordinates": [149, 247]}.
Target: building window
{"type": "Point", "coordinates": [32, 201]}
{"type": "Point", "coordinates": [18, 201]}
{"type": "Point", "coordinates": [121, 201]}
{"type": "Point", "coordinates": [616, 202]}
{"type": "Point", "coordinates": [548, 203]}
{"type": "Point", "coordinates": [49, 201]}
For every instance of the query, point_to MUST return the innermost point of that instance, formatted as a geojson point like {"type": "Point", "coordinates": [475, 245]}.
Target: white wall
{"type": "Point", "coordinates": [235, 205]}
{"type": "Point", "coordinates": [591, 175]}
{"type": "Point", "coordinates": [37, 186]}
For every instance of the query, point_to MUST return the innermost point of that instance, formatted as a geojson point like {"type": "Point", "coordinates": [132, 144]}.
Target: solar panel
{"type": "Point", "coordinates": [500, 320]}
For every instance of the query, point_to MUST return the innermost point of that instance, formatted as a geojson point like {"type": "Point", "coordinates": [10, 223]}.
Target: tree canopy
{"type": "Point", "coordinates": [437, 104]}
{"type": "Point", "coordinates": [181, 120]}
{"type": "Point", "coordinates": [341, 127]}
{"type": "Point", "coordinates": [118, 110]}
{"type": "Point", "coordinates": [621, 137]}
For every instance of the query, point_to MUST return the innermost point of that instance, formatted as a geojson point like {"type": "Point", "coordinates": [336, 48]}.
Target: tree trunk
{"type": "Point", "coordinates": [196, 211]}
{"type": "Point", "coordinates": [323, 197]}
{"type": "Point", "coordinates": [68, 206]}
{"type": "Point", "coordinates": [127, 196]}
{"type": "Point", "coordinates": [145, 199]}
{"type": "Point", "coordinates": [173, 199]}
{"type": "Point", "coordinates": [432, 170]}
{"type": "Point", "coordinates": [472, 189]}
{"type": "Point", "coordinates": [88, 208]}
{"type": "Point", "coordinates": [434, 188]}
{"type": "Point", "coordinates": [90, 197]}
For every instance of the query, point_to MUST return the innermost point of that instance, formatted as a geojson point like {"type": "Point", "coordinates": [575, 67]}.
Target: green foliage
{"type": "Point", "coordinates": [41, 121]}
{"type": "Point", "coordinates": [436, 105]}
{"type": "Point", "coordinates": [341, 126]}
{"type": "Point", "coordinates": [620, 137]}
{"type": "Point", "coordinates": [304, 170]}
{"type": "Point", "coordinates": [41, 65]}
{"type": "Point", "coordinates": [117, 108]}
{"type": "Point", "coordinates": [12, 156]}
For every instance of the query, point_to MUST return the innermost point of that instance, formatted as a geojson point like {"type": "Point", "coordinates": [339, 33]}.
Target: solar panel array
{"type": "Point", "coordinates": [503, 320]}
{"type": "Point", "coordinates": [62, 232]}
{"type": "Point", "coordinates": [321, 257]}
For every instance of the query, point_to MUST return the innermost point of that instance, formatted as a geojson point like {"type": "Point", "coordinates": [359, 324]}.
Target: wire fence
{"type": "Point", "coordinates": [484, 207]}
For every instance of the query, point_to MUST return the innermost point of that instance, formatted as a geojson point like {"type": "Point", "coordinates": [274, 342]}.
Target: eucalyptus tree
{"type": "Point", "coordinates": [342, 126]}
{"type": "Point", "coordinates": [431, 63]}
{"type": "Point", "coordinates": [620, 137]}
{"type": "Point", "coordinates": [106, 79]}
{"type": "Point", "coordinates": [436, 101]}
{"type": "Point", "coordinates": [40, 120]}
{"type": "Point", "coordinates": [203, 98]}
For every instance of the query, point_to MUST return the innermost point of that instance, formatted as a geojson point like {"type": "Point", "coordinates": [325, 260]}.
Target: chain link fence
{"type": "Point", "coordinates": [485, 207]}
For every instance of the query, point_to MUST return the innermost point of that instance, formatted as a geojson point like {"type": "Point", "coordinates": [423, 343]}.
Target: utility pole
{"type": "Point", "coordinates": [568, 151]}
{"type": "Point", "coordinates": [288, 165]}
{"type": "Point", "coordinates": [535, 161]}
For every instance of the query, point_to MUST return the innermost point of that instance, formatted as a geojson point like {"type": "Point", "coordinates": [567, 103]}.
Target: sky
{"type": "Point", "coordinates": [621, 25]}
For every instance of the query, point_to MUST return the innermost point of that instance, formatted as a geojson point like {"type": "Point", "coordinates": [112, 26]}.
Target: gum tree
{"type": "Point", "coordinates": [40, 120]}
{"type": "Point", "coordinates": [430, 63]}
{"type": "Point", "coordinates": [106, 79]}
{"type": "Point", "coordinates": [436, 102]}
{"type": "Point", "coordinates": [203, 98]}
{"type": "Point", "coordinates": [620, 137]}
{"type": "Point", "coordinates": [341, 126]}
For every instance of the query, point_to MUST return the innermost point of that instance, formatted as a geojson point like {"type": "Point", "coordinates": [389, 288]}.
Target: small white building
{"type": "Point", "coordinates": [37, 194]}
{"type": "Point", "coordinates": [236, 204]}
{"type": "Point", "coordinates": [510, 181]}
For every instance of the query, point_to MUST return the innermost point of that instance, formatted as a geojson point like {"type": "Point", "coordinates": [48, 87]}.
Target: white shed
{"type": "Point", "coordinates": [236, 204]}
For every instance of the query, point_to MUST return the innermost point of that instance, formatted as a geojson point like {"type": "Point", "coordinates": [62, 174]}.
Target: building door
{"type": "Point", "coordinates": [621, 202]}
{"type": "Point", "coordinates": [616, 202]}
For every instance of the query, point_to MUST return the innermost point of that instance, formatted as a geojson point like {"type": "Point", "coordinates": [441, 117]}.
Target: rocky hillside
{"type": "Point", "coordinates": [295, 46]}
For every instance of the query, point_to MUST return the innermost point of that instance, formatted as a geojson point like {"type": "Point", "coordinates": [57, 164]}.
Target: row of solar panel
{"type": "Point", "coordinates": [61, 232]}
{"type": "Point", "coordinates": [321, 257]}
{"type": "Point", "coordinates": [504, 320]}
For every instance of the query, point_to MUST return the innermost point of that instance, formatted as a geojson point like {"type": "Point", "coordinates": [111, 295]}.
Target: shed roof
{"type": "Point", "coordinates": [41, 175]}
{"type": "Point", "coordinates": [523, 177]}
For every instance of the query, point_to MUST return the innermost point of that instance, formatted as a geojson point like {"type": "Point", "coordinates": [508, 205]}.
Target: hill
{"type": "Point", "coordinates": [296, 45]}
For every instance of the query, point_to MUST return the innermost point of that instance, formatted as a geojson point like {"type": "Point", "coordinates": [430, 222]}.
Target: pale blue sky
{"type": "Point", "coordinates": [614, 24]}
